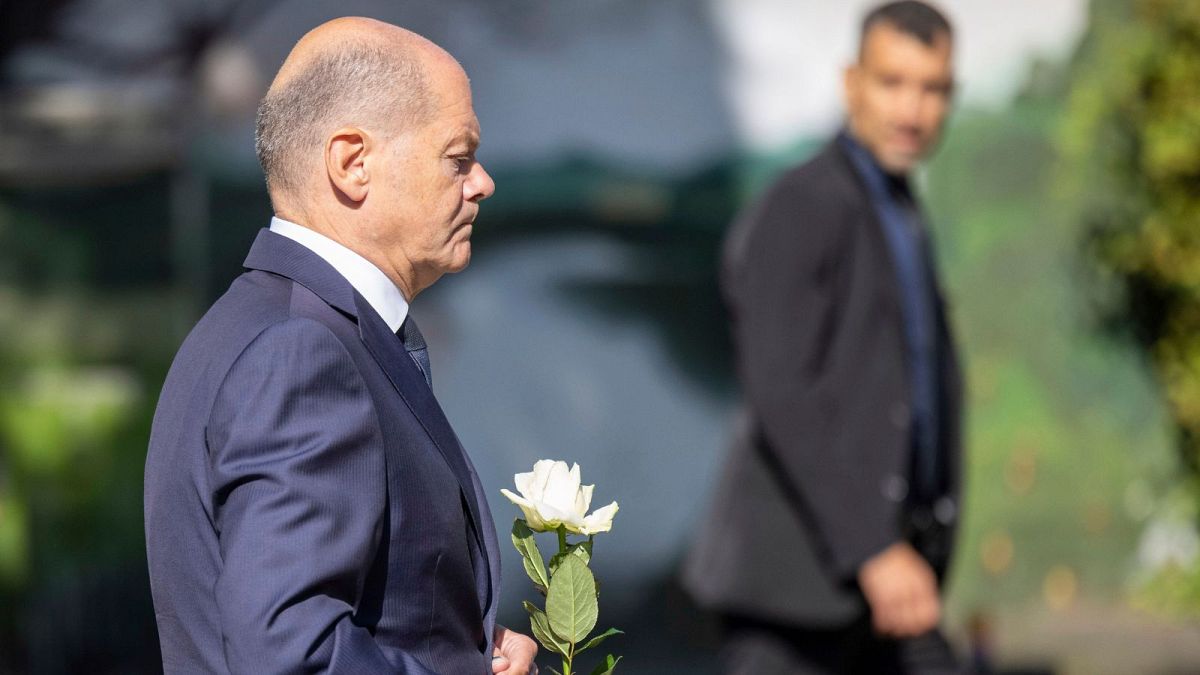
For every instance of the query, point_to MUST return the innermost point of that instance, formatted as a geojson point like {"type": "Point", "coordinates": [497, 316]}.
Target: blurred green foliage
{"type": "Point", "coordinates": [1130, 139]}
{"type": "Point", "coordinates": [81, 360]}
{"type": "Point", "coordinates": [1062, 424]}
{"type": "Point", "coordinates": [1175, 590]}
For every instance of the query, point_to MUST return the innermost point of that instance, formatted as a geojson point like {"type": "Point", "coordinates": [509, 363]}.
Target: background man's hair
{"type": "Point", "coordinates": [359, 83]}
{"type": "Point", "coordinates": [910, 17]}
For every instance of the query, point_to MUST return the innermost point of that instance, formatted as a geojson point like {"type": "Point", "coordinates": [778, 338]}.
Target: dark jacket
{"type": "Point", "coordinates": [816, 482]}
{"type": "Point", "coordinates": [308, 507]}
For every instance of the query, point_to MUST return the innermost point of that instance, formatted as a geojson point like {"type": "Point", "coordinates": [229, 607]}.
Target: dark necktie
{"type": "Point", "coordinates": [414, 344]}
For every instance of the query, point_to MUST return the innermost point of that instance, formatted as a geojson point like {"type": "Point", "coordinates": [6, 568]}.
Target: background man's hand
{"type": "Point", "coordinates": [514, 653]}
{"type": "Point", "coordinates": [902, 591]}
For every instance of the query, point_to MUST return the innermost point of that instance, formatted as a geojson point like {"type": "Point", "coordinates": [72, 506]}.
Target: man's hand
{"type": "Point", "coordinates": [514, 653]}
{"type": "Point", "coordinates": [902, 591]}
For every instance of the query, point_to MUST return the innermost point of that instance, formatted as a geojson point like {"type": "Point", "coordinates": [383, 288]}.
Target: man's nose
{"type": "Point", "coordinates": [909, 106]}
{"type": "Point", "coordinates": [479, 185]}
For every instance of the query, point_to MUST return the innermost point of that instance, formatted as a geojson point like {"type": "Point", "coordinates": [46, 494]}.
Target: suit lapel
{"type": "Point", "coordinates": [277, 254]}
{"type": "Point", "coordinates": [410, 383]}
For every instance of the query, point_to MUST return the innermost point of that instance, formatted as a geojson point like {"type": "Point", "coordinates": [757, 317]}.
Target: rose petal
{"type": "Point", "coordinates": [555, 517]}
{"type": "Point", "coordinates": [583, 499]}
{"type": "Point", "coordinates": [543, 470]}
{"type": "Point", "coordinates": [600, 520]}
{"type": "Point", "coordinates": [532, 518]}
{"type": "Point", "coordinates": [525, 484]}
{"type": "Point", "coordinates": [561, 488]}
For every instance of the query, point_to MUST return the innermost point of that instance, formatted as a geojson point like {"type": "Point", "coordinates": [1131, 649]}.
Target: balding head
{"type": "Point", "coordinates": [349, 71]}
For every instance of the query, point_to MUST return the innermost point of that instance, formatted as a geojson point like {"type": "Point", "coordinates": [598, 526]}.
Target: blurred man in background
{"type": "Point", "coordinates": [308, 507]}
{"type": "Point", "coordinates": [833, 524]}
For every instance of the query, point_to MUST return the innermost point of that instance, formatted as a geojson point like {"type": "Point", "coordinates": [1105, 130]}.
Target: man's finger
{"type": "Point", "coordinates": [888, 616]}
{"type": "Point", "coordinates": [905, 617]}
{"type": "Point", "coordinates": [931, 613]}
{"type": "Point", "coordinates": [499, 664]}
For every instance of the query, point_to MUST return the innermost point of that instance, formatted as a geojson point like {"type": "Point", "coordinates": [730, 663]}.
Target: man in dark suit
{"type": "Point", "coordinates": [832, 525]}
{"type": "Point", "coordinates": [308, 506]}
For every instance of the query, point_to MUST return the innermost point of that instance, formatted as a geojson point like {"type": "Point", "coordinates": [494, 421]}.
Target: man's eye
{"type": "Point", "coordinates": [939, 89]}
{"type": "Point", "coordinates": [889, 81]}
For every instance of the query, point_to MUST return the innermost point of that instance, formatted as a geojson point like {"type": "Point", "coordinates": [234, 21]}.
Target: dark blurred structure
{"type": "Point", "coordinates": [128, 196]}
{"type": "Point", "coordinates": [96, 131]}
{"type": "Point", "coordinates": [129, 193]}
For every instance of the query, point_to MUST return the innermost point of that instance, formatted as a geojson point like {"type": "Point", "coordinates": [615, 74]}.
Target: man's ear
{"type": "Point", "coordinates": [346, 162]}
{"type": "Point", "coordinates": [850, 83]}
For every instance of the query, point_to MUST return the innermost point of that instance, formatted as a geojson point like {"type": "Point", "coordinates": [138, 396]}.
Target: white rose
{"type": "Point", "coordinates": [551, 496]}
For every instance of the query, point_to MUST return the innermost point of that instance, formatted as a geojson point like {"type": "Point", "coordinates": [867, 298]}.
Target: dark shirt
{"type": "Point", "coordinates": [904, 231]}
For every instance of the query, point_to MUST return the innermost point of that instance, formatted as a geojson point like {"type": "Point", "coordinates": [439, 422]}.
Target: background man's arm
{"type": "Point", "coordinates": [298, 480]}
{"type": "Point", "coordinates": [794, 281]}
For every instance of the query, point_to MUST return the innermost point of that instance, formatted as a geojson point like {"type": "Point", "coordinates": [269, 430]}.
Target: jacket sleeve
{"type": "Point", "coordinates": [791, 283]}
{"type": "Point", "coordinates": [298, 486]}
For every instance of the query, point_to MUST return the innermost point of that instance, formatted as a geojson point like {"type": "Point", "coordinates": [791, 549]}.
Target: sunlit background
{"type": "Point", "coordinates": [623, 136]}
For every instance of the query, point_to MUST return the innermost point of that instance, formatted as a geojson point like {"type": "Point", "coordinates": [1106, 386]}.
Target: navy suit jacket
{"type": "Point", "coordinates": [308, 506]}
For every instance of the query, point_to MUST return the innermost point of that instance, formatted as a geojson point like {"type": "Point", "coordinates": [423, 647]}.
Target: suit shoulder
{"type": "Point", "coordinates": [807, 208]}
{"type": "Point", "coordinates": [298, 353]}
{"type": "Point", "coordinates": [253, 302]}
{"type": "Point", "coordinates": [821, 184]}
{"type": "Point", "coordinates": [256, 303]}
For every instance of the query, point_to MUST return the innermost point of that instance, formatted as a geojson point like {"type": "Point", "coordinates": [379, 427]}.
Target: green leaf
{"type": "Point", "coordinates": [571, 601]}
{"type": "Point", "coordinates": [541, 630]}
{"type": "Point", "coordinates": [599, 638]}
{"type": "Point", "coordinates": [531, 557]}
{"type": "Point", "coordinates": [607, 666]}
{"type": "Point", "coordinates": [582, 550]}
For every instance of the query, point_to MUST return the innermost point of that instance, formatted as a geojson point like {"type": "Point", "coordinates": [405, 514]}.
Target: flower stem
{"type": "Point", "coordinates": [562, 538]}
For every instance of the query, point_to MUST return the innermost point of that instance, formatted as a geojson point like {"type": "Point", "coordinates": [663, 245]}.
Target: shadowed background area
{"type": "Point", "coordinates": [623, 137]}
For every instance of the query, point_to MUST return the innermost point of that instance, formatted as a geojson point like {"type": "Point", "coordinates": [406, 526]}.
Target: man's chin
{"type": "Point", "coordinates": [899, 163]}
{"type": "Point", "coordinates": [462, 258]}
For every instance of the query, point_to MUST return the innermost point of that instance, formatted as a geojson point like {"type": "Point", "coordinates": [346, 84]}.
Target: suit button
{"type": "Point", "coordinates": [899, 415]}
{"type": "Point", "coordinates": [894, 488]}
{"type": "Point", "coordinates": [944, 511]}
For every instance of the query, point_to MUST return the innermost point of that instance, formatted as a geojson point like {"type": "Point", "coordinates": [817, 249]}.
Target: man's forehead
{"type": "Point", "coordinates": [449, 130]}
{"type": "Point", "coordinates": [464, 133]}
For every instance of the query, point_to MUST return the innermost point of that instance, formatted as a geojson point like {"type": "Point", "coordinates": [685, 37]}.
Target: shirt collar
{"type": "Point", "coordinates": [370, 282]}
{"type": "Point", "coordinates": [868, 167]}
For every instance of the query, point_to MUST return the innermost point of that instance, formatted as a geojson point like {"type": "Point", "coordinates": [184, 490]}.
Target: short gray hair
{"type": "Point", "coordinates": [360, 83]}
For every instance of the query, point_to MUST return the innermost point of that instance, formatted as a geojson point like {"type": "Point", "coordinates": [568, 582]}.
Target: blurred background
{"type": "Point", "coordinates": [623, 137]}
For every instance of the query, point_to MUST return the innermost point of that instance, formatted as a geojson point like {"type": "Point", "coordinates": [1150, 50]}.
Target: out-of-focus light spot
{"type": "Point", "coordinates": [1060, 587]}
{"type": "Point", "coordinates": [230, 80]}
{"type": "Point", "coordinates": [996, 553]}
{"type": "Point", "coordinates": [1021, 471]}
{"type": "Point", "coordinates": [1097, 518]}
{"type": "Point", "coordinates": [1168, 540]}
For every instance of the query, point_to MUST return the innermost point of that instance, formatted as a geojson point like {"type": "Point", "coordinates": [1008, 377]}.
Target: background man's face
{"type": "Point", "coordinates": [897, 96]}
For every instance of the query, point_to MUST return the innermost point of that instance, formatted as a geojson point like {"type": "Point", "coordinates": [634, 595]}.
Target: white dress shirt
{"type": "Point", "coordinates": [370, 282]}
